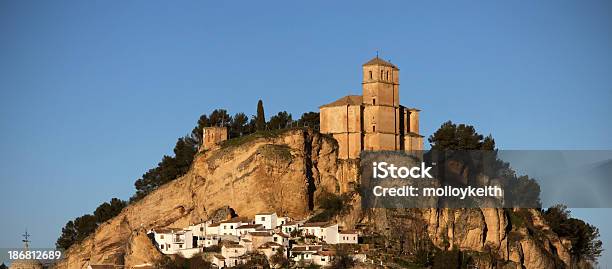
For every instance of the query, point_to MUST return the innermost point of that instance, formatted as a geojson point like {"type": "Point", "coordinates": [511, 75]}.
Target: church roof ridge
{"type": "Point", "coordinates": [346, 100]}
{"type": "Point", "coordinates": [378, 61]}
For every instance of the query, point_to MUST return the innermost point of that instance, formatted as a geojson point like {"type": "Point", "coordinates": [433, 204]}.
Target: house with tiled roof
{"type": "Point", "coordinates": [267, 219]}
{"type": "Point", "coordinates": [270, 248]}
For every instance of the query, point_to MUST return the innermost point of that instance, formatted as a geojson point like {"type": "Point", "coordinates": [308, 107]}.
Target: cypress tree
{"type": "Point", "coordinates": [260, 124]}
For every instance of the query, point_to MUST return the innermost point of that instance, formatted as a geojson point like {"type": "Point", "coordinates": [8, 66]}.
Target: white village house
{"type": "Point", "coordinates": [240, 237]}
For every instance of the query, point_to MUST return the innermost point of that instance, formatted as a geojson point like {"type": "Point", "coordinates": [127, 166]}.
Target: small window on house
{"type": "Point", "coordinates": [373, 101]}
{"type": "Point", "coordinates": [161, 236]}
{"type": "Point", "coordinates": [201, 229]}
{"type": "Point", "coordinates": [370, 74]}
{"type": "Point", "coordinates": [373, 128]}
{"type": "Point", "coordinates": [263, 218]}
{"type": "Point", "coordinates": [162, 246]}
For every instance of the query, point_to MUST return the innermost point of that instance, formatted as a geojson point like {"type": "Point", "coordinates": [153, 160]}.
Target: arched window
{"type": "Point", "coordinates": [387, 75]}
{"type": "Point", "coordinates": [373, 128]}
{"type": "Point", "coordinates": [381, 74]}
{"type": "Point", "coordinates": [373, 101]}
{"type": "Point", "coordinates": [370, 74]}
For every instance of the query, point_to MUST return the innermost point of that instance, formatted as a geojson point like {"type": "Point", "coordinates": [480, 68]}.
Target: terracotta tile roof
{"type": "Point", "coordinates": [315, 224]}
{"type": "Point", "coordinates": [260, 233]}
{"type": "Point", "coordinates": [325, 253]}
{"type": "Point", "coordinates": [283, 234]}
{"type": "Point", "coordinates": [215, 224]}
{"type": "Point", "coordinates": [379, 61]}
{"type": "Point", "coordinates": [348, 232]}
{"type": "Point", "coordinates": [250, 226]}
{"type": "Point", "coordinates": [353, 100]}
{"type": "Point", "coordinates": [269, 245]}
{"type": "Point", "coordinates": [236, 220]}
{"type": "Point", "coordinates": [234, 246]}
{"type": "Point", "coordinates": [304, 248]}
{"type": "Point", "coordinates": [167, 230]}
{"type": "Point", "coordinates": [218, 256]}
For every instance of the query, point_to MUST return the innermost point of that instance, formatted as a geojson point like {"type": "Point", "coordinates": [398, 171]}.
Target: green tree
{"type": "Point", "coordinates": [279, 259]}
{"type": "Point", "coordinates": [280, 121]}
{"type": "Point", "coordinates": [168, 169]}
{"type": "Point", "coordinates": [108, 210]}
{"type": "Point", "coordinates": [68, 236]}
{"type": "Point", "coordinates": [309, 119]}
{"type": "Point", "coordinates": [460, 137]}
{"type": "Point", "coordinates": [239, 125]}
{"type": "Point", "coordinates": [220, 117]}
{"type": "Point", "coordinates": [342, 260]}
{"type": "Point", "coordinates": [77, 230]}
{"type": "Point", "coordinates": [260, 120]}
{"type": "Point", "coordinates": [197, 133]}
{"type": "Point", "coordinates": [586, 244]}
{"type": "Point", "coordinates": [85, 225]}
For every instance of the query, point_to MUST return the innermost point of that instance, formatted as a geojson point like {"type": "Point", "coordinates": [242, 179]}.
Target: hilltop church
{"type": "Point", "coordinates": [374, 120]}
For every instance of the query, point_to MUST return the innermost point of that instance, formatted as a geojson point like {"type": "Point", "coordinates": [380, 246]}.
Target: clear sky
{"type": "Point", "coordinates": [93, 93]}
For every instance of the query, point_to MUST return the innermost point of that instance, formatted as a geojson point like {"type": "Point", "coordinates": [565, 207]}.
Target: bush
{"type": "Point", "coordinates": [332, 205]}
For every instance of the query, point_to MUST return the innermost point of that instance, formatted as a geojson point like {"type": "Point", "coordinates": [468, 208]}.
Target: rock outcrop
{"type": "Point", "coordinates": [276, 172]}
{"type": "Point", "coordinates": [284, 173]}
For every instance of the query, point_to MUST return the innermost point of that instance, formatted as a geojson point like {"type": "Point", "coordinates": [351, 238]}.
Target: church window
{"type": "Point", "coordinates": [381, 74]}
{"type": "Point", "coordinates": [373, 101]}
{"type": "Point", "coordinates": [387, 75]}
{"type": "Point", "coordinates": [373, 128]}
{"type": "Point", "coordinates": [370, 74]}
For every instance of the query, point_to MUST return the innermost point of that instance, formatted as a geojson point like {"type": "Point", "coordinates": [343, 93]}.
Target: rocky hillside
{"type": "Point", "coordinates": [274, 172]}
{"type": "Point", "coordinates": [284, 173]}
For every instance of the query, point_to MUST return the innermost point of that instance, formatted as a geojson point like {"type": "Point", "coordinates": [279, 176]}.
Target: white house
{"type": "Point", "coordinates": [304, 252]}
{"type": "Point", "coordinates": [282, 221]}
{"type": "Point", "coordinates": [198, 229]}
{"type": "Point", "coordinates": [313, 229]}
{"type": "Point", "coordinates": [281, 238]}
{"type": "Point", "coordinates": [229, 227]}
{"type": "Point", "coordinates": [218, 260]}
{"type": "Point", "coordinates": [245, 229]}
{"type": "Point", "coordinates": [348, 237]}
{"type": "Point", "coordinates": [323, 258]}
{"type": "Point", "coordinates": [248, 244]}
{"type": "Point", "coordinates": [176, 241]}
{"type": "Point", "coordinates": [208, 240]}
{"type": "Point", "coordinates": [289, 227]}
{"type": "Point", "coordinates": [330, 233]}
{"type": "Point", "coordinates": [260, 237]}
{"type": "Point", "coordinates": [212, 228]}
{"type": "Point", "coordinates": [327, 232]}
{"type": "Point", "coordinates": [234, 255]}
{"type": "Point", "coordinates": [268, 220]}
{"type": "Point", "coordinates": [269, 249]}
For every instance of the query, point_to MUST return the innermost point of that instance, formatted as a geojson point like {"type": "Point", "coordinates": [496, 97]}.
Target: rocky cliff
{"type": "Point", "coordinates": [284, 173]}
{"type": "Point", "coordinates": [274, 172]}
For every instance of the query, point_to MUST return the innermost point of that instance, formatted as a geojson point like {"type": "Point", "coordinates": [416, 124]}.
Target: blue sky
{"type": "Point", "coordinates": [93, 93]}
